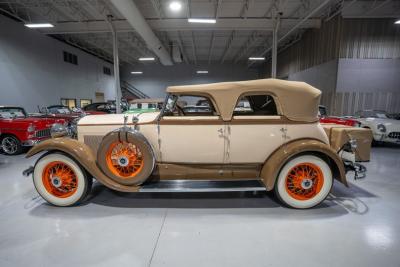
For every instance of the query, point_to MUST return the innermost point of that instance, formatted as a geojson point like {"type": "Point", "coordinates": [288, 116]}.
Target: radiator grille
{"type": "Point", "coordinates": [93, 141]}
{"type": "Point", "coordinates": [394, 135]}
{"type": "Point", "coordinates": [42, 133]}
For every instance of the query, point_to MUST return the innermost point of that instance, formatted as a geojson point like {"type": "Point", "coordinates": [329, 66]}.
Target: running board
{"type": "Point", "coordinates": [202, 186]}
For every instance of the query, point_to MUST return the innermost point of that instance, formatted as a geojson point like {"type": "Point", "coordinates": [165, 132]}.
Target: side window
{"type": "Point", "coordinates": [256, 105]}
{"type": "Point", "coordinates": [189, 105]}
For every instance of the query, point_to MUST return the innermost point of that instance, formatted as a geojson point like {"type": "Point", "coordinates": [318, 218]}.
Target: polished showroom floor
{"type": "Point", "coordinates": [356, 226]}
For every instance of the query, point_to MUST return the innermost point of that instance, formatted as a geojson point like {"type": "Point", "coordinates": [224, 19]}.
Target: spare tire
{"type": "Point", "coordinates": [126, 157]}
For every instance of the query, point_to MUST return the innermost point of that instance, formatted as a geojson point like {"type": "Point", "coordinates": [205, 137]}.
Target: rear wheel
{"type": "Point", "coordinates": [11, 145]}
{"type": "Point", "coordinates": [60, 180]}
{"type": "Point", "coordinates": [304, 182]}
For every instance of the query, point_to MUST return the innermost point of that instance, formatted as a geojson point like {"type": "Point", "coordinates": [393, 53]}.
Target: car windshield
{"type": "Point", "coordinates": [59, 110]}
{"type": "Point", "coordinates": [322, 111]}
{"type": "Point", "coordinates": [374, 114]}
{"type": "Point", "coordinates": [10, 113]}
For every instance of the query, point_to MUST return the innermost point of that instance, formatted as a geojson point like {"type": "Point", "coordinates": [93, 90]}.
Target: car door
{"type": "Point", "coordinates": [255, 131]}
{"type": "Point", "coordinates": [191, 134]}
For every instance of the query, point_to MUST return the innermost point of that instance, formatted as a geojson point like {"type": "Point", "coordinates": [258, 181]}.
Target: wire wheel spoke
{"type": "Point", "coordinates": [124, 159]}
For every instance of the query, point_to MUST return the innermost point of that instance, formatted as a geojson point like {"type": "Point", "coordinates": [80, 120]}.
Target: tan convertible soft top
{"type": "Point", "coordinates": [298, 101]}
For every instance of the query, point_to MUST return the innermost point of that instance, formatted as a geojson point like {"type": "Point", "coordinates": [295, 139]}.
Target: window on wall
{"type": "Point", "coordinates": [189, 105]}
{"type": "Point", "coordinates": [106, 70]}
{"type": "Point", "coordinates": [85, 102]}
{"type": "Point", "coordinates": [70, 58]}
{"type": "Point", "coordinates": [69, 102]}
{"type": "Point", "coordinates": [256, 105]}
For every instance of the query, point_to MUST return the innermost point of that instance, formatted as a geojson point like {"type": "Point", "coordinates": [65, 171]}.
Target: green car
{"type": "Point", "coordinates": [145, 105]}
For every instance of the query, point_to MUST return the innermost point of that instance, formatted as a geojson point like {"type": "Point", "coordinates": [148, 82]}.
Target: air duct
{"type": "Point", "coordinates": [128, 9]}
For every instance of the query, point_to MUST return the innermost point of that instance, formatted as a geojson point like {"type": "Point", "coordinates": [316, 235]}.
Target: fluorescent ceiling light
{"type": "Point", "coordinates": [146, 59]}
{"type": "Point", "coordinates": [397, 21]}
{"type": "Point", "coordinates": [202, 20]}
{"type": "Point", "coordinates": [39, 25]}
{"type": "Point", "coordinates": [175, 6]}
{"type": "Point", "coordinates": [256, 58]}
{"type": "Point", "coordinates": [202, 71]}
{"type": "Point", "coordinates": [136, 72]}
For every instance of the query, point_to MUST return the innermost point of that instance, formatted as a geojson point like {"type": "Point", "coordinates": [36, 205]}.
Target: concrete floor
{"type": "Point", "coordinates": [356, 226]}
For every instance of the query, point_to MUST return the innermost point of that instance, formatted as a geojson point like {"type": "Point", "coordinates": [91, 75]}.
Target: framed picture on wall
{"type": "Point", "coordinates": [69, 102]}
{"type": "Point", "coordinates": [85, 102]}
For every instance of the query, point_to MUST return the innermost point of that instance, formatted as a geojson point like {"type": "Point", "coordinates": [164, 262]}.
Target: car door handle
{"type": "Point", "coordinates": [221, 132]}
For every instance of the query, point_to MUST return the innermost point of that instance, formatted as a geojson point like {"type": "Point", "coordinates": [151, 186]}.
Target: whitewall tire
{"type": "Point", "coordinates": [60, 180]}
{"type": "Point", "coordinates": [304, 182]}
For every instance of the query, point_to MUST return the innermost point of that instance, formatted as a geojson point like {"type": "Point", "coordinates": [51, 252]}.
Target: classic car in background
{"type": "Point", "coordinates": [273, 144]}
{"type": "Point", "coordinates": [145, 105]}
{"type": "Point", "coordinates": [325, 118]}
{"type": "Point", "coordinates": [384, 128]}
{"type": "Point", "coordinates": [105, 107]}
{"type": "Point", "coordinates": [18, 130]}
{"type": "Point", "coordinates": [64, 112]}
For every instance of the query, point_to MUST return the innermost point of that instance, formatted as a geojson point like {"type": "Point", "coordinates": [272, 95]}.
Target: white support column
{"type": "Point", "coordinates": [118, 93]}
{"type": "Point", "coordinates": [275, 47]}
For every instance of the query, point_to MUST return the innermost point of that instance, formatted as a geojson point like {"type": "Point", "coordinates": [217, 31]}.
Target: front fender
{"type": "Point", "coordinates": [279, 157]}
{"type": "Point", "coordinates": [82, 154]}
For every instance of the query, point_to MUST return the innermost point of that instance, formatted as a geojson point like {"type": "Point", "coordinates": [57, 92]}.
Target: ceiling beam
{"type": "Point", "coordinates": [179, 25]}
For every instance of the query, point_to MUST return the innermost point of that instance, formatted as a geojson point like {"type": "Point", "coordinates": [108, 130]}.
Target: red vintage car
{"type": "Point", "coordinates": [324, 118]}
{"type": "Point", "coordinates": [18, 130]}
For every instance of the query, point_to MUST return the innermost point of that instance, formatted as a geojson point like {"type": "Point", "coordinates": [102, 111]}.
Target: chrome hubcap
{"type": "Point", "coordinates": [56, 181]}
{"type": "Point", "coordinates": [306, 183]}
{"type": "Point", "coordinates": [9, 145]}
{"type": "Point", "coordinates": [123, 161]}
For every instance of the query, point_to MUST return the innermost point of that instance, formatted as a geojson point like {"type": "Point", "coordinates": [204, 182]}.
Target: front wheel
{"type": "Point", "coordinates": [11, 145]}
{"type": "Point", "coordinates": [60, 180]}
{"type": "Point", "coordinates": [304, 182]}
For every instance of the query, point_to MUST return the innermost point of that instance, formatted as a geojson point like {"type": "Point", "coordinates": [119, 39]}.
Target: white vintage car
{"type": "Point", "coordinates": [384, 128]}
{"type": "Point", "coordinates": [253, 135]}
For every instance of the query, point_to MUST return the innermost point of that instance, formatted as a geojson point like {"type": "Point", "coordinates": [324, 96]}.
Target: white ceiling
{"type": "Point", "coordinates": [243, 28]}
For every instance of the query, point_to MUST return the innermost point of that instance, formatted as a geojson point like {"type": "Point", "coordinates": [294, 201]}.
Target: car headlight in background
{"type": "Point", "coordinates": [31, 128]}
{"type": "Point", "coordinates": [381, 128]}
{"type": "Point", "coordinates": [58, 130]}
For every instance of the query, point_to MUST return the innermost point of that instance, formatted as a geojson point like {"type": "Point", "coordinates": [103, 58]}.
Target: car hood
{"type": "Point", "coordinates": [117, 119]}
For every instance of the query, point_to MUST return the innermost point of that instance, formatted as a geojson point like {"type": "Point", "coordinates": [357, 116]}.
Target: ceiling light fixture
{"type": "Point", "coordinates": [397, 21]}
{"type": "Point", "coordinates": [175, 6]}
{"type": "Point", "coordinates": [136, 72]}
{"type": "Point", "coordinates": [147, 59]}
{"type": "Point", "coordinates": [39, 25]}
{"type": "Point", "coordinates": [257, 58]}
{"type": "Point", "coordinates": [210, 21]}
{"type": "Point", "coordinates": [202, 72]}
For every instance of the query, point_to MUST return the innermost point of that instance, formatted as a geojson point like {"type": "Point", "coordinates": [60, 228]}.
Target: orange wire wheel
{"type": "Point", "coordinates": [304, 181]}
{"type": "Point", "coordinates": [124, 159]}
{"type": "Point", "coordinates": [59, 179]}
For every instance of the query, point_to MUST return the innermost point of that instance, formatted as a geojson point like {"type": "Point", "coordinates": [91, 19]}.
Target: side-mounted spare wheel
{"type": "Point", "coordinates": [60, 180]}
{"type": "Point", "coordinates": [126, 157]}
{"type": "Point", "coordinates": [304, 182]}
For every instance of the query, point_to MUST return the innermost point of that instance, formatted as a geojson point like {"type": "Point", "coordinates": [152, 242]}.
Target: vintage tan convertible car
{"type": "Point", "coordinates": [247, 135]}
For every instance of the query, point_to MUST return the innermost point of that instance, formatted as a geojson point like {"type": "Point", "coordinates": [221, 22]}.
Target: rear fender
{"type": "Point", "coordinates": [279, 157]}
{"type": "Point", "coordinates": [82, 154]}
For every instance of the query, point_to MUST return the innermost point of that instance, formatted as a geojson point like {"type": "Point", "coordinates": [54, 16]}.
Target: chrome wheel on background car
{"type": "Point", "coordinates": [11, 145]}
{"type": "Point", "coordinates": [60, 180]}
{"type": "Point", "coordinates": [304, 182]}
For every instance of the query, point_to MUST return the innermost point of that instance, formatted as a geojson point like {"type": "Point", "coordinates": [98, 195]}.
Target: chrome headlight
{"type": "Point", "coordinates": [58, 130]}
{"type": "Point", "coordinates": [381, 127]}
{"type": "Point", "coordinates": [31, 128]}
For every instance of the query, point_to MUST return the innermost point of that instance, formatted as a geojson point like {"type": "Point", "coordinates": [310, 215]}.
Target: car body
{"type": "Point", "coordinates": [324, 118]}
{"type": "Point", "coordinates": [384, 128]}
{"type": "Point", "coordinates": [18, 130]}
{"type": "Point", "coordinates": [249, 132]}
{"type": "Point", "coordinates": [145, 105]}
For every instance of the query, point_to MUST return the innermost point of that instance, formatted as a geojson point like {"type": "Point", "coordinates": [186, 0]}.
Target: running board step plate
{"type": "Point", "coordinates": [202, 186]}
